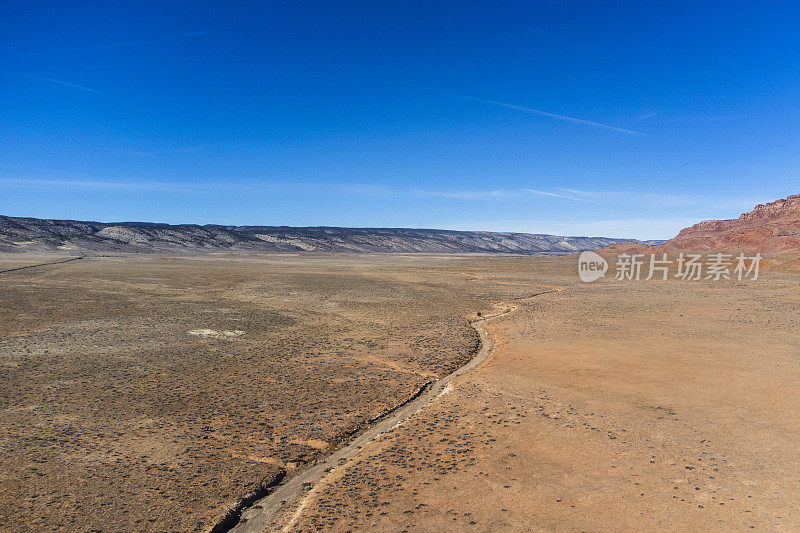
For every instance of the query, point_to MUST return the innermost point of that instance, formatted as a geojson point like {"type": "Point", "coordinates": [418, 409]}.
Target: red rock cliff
{"type": "Point", "coordinates": [772, 227]}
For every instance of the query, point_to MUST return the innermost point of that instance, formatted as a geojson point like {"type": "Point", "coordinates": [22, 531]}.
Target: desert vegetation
{"type": "Point", "coordinates": [155, 393]}
{"type": "Point", "coordinates": [152, 393]}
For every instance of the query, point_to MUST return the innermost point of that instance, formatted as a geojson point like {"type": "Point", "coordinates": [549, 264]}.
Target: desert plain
{"type": "Point", "coordinates": [154, 393]}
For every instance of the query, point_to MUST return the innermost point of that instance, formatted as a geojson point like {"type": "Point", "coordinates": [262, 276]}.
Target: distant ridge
{"type": "Point", "coordinates": [39, 235]}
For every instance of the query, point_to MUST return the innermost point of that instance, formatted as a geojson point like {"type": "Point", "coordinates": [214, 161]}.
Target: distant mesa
{"type": "Point", "coordinates": [39, 235]}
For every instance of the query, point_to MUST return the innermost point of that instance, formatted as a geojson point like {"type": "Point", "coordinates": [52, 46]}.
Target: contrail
{"type": "Point", "coordinates": [553, 115]}
{"type": "Point", "coordinates": [60, 82]}
{"type": "Point", "coordinates": [556, 195]}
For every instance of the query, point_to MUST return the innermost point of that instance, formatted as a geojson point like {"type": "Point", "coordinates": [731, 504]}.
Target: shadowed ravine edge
{"type": "Point", "coordinates": [25, 267]}
{"type": "Point", "coordinates": [253, 515]}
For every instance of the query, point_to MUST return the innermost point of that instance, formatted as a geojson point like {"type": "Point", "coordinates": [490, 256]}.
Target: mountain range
{"type": "Point", "coordinates": [40, 235]}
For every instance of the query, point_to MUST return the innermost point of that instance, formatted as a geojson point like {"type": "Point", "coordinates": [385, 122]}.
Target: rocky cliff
{"type": "Point", "coordinates": [771, 227]}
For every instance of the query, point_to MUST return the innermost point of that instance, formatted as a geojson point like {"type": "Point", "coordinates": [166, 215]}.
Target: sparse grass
{"type": "Point", "coordinates": [103, 383]}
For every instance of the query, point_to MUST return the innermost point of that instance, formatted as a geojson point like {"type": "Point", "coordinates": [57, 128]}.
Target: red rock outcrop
{"type": "Point", "coordinates": [769, 228]}
{"type": "Point", "coordinates": [772, 229]}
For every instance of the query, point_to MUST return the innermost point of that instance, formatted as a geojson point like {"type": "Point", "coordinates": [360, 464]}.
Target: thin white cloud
{"type": "Point", "coordinates": [362, 189]}
{"type": "Point", "coordinates": [556, 116]}
{"type": "Point", "coordinates": [634, 228]}
{"type": "Point", "coordinates": [593, 194]}
{"type": "Point", "coordinates": [89, 184]}
{"type": "Point", "coordinates": [741, 206]}
{"type": "Point", "coordinates": [637, 228]}
{"type": "Point", "coordinates": [467, 195]}
{"type": "Point", "coordinates": [59, 82]}
{"type": "Point", "coordinates": [668, 199]}
{"type": "Point", "coordinates": [201, 187]}
{"type": "Point", "coordinates": [578, 196]}
{"type": "Point", "coordinates": [557, 195]}
{"type": "Point", "coordinates": [496, 194]}
{"type": "Point", "coordinates": [703, 204]}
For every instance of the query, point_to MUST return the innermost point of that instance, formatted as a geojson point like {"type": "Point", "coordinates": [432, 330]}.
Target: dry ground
{"type": "Point", "coordinates": [151, 393]}
{"type": "Point", "coordinates": [611, 405]}
{"type": "Point", "coordinates": [615, 405]}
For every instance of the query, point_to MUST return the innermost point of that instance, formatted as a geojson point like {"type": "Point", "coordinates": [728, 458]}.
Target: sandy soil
{"type": "Point", "coordinates": [615, 405]}
{"type": "Point", "coordinates": [292, 493]}
{"type": "Point", "coordinates": [149, 393]}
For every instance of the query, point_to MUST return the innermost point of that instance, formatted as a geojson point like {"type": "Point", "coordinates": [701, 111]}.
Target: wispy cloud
{"type": "Point", "coordinates": [225, 187]}
{"type": "Point", "coordinates": [89, 184]}
{"type": "Point", "coordinates": [53, 80]}
{"type": "Point", "coordinates": [498, 194]}
{"type": "Point", "coordinates": [557, 195]}
{"type": "Point", "coordinates": [556, 116]}
{"type": "Point", "coordinates": [706, 118]}
{"type": "Point", "coordinates": [671, 199]}
{"type": "Point", "coordinates": [741, 205]}
{"type": "Point", "coordinates": [467, 195]}
{"type": "Point", "coordinates": [633, 228]}
{"type": "Point", "coordinates": [365, 189]}
{"type": "Point", "coordinates": [704, 204]}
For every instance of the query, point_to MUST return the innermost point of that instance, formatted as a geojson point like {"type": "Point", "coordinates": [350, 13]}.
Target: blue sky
{"type": "Point", "coordinates": [617, 119]}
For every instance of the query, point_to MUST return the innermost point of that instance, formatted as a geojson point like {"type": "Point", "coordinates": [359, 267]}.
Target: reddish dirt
{"type": "Point", "coordinates": [614, 405]}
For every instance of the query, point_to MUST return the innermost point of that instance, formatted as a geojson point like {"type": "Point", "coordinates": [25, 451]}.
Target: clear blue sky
{"type": "Point", "coordinates": [618, 119]}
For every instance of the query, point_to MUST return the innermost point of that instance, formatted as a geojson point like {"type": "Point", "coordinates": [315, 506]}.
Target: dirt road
{"type": "Point", "coordinates": [625, 406]}
{"type": "Point", "coordinates": [265, 512]}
